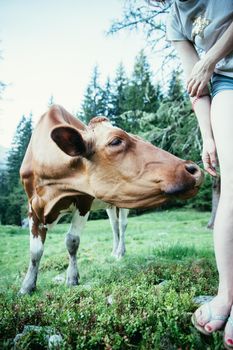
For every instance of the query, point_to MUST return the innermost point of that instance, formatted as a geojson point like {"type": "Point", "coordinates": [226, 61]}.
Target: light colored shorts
{"type": "Point", "coordinates": [220, 82]}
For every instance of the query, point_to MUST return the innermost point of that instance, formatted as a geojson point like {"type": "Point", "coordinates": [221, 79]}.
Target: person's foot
{"type": "Point", "coordinates": [228, 332]}
{"type": "Point", "coordinates": [213, 315]}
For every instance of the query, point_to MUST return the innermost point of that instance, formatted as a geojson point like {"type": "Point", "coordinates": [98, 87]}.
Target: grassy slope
{"type": "Point", "coordinates": [171, 245]}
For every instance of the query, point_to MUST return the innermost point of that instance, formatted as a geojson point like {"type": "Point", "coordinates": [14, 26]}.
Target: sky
{"type": "Point", "coordinates": [50, 47]}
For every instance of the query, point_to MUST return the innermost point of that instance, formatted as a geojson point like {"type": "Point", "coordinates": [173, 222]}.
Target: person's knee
{"type": "Point", "coordinates": [226, 202]}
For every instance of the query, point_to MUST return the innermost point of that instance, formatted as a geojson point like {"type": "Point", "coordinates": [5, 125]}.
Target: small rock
{"type": "Point", "coordinates": [110, 300]}
{"type": "Point", "coordinates": [202, 299]}
{"type": "Point", "coordinates": [88, 286]}
{"type": "Point", "coordinates": [163, 283]}
{"type": "Point", "coordinates": [54, 341]}
{"type": "Point", "coordinates": [17, 338]}
{"type": "Point", "coordinates": [37, 329]}
{"type": "Point", "coordinates": [59, 279]}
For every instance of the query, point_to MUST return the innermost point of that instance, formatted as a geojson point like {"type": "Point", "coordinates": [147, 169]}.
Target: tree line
{"type": "Point", "coordinates": [138, 105]}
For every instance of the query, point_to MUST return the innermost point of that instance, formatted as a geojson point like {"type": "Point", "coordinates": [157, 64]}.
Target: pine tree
{"type": "Point", "coordinates": [4, 191]}
{"type": "Point", "coordinates": [118, 96]}
{"type": "Point", "coordinates": [18, 148]}
{"type": "Point", "coordinates": [176, 88]}
{"type": "Point", "coordinates": [93, 103]}
{"type": "Point", "coordinates": [13, 200]}
{"type": "Point", "coordinates": [140, 95]}
{"type": "Point", "coordinates": [106, 102]}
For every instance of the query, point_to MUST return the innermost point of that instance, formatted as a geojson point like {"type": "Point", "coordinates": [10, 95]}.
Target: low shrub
{"type": "Point", "coordinates": [138, 312]}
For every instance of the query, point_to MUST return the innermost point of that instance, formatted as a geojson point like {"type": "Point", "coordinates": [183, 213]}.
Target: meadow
{"type": "Point", "coordinates": [143, 301]}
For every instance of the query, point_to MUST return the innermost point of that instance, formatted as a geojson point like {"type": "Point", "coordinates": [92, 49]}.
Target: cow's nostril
{"type": "Point", "coordinates": [191, 168]}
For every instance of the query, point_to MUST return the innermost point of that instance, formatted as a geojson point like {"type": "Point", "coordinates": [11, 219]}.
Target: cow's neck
{"type": "Point", "coordinates": [53, 194]}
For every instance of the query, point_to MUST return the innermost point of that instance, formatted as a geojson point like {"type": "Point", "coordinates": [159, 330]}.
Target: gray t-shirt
{"type": "Point", "coordinates": [202, 22]}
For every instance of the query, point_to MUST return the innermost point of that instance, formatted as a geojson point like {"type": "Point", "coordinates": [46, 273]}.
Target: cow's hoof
{"type": "Point", "coordinates": [25, 291]}
{"type": "Point", "coordinates": [119, 256]}
{"type": "Point", "coordinates": [120, 253]}
{"type": "Point", "coordinates": [114, 253]}
{"type": "Point", "coordinates": [72, 282]}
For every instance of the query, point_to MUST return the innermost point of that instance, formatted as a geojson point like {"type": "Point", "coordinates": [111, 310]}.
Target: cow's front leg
{"type": "Point", "coordinates": [123, 215]}
{"type": "Point", "coordinates": [113, 218]}
{"type": "Point", "coordinates": [37, 238]}
{"type": "Point", "coordinates": [72, 244]}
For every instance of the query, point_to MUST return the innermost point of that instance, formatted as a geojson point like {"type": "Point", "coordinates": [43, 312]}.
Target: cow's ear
{"type": "Point", "coordinates": [69, 140]}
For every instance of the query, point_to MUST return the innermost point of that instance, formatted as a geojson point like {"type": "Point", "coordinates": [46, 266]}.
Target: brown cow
{"type": "Point", "coordinates": [68, 166]}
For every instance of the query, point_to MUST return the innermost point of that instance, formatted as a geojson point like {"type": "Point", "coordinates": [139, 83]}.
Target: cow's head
{"type": "Point", "coordinates": [124, 170]}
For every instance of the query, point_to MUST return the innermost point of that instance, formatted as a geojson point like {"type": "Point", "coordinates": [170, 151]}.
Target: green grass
{"type": "Point", "coordinates": [171, 245]}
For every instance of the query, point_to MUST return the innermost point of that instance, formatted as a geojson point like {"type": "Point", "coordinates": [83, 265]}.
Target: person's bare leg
{"type": "Point", "coordinates": [222, 125]}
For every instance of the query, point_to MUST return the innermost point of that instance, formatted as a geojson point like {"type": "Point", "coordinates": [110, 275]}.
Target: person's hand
{"type": "Point", "coordinates": [209, 157]}
{"type": "Point", "coordinates": [199, 77]}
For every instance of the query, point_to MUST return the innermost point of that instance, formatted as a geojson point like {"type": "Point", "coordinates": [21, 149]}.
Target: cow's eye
{"type": "Point", "coordinates": [115, 142]}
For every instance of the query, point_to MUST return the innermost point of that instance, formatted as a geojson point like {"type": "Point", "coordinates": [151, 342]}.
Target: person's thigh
{"type": "Point", "coordinates": [222, 125]}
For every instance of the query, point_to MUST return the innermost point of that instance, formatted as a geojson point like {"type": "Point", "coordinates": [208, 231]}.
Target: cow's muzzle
{"type": "Point", "coordinates": [194, 170]}
{"type": "Point", "coordinates": [188, 183]}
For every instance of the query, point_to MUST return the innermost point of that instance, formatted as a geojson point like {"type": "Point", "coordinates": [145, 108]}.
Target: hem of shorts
{"type": "Point", "coordinates": [227, 74]}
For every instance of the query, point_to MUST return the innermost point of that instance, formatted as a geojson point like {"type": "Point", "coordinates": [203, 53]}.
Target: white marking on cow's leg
{"type": "Point", "coordinates": [36, 252]}
{"type": "Point", "coordinates": [72, 244]}
{"type": "Point", "coordinates": [123, 214]}
{"type": "Point", "coordinates": [114, 222]}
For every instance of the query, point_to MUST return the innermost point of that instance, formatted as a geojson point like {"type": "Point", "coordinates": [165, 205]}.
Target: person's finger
{"type": "Point", "coordinates": [194, 89]}
{"type": "Point", "coordinates": [206, 162]}
{"type": "Point", "coordinates": [208, 167]}
{"type": "Point", "coordinates": [200, 89]}
{"type": "Point", "coordinates": [213, 159]}
{"type": "Point", "coordinates": [189, 81]}
{"type": "Point", "coordinates": [211, 172]}
{"type": "Point", "coordinates": [190, 85]}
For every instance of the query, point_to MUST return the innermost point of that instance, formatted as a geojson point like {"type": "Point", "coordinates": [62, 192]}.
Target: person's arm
{"type": "Point", "coordinates": [203, 70]}
{"type": "Point", "coordinates": [189, 58]}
